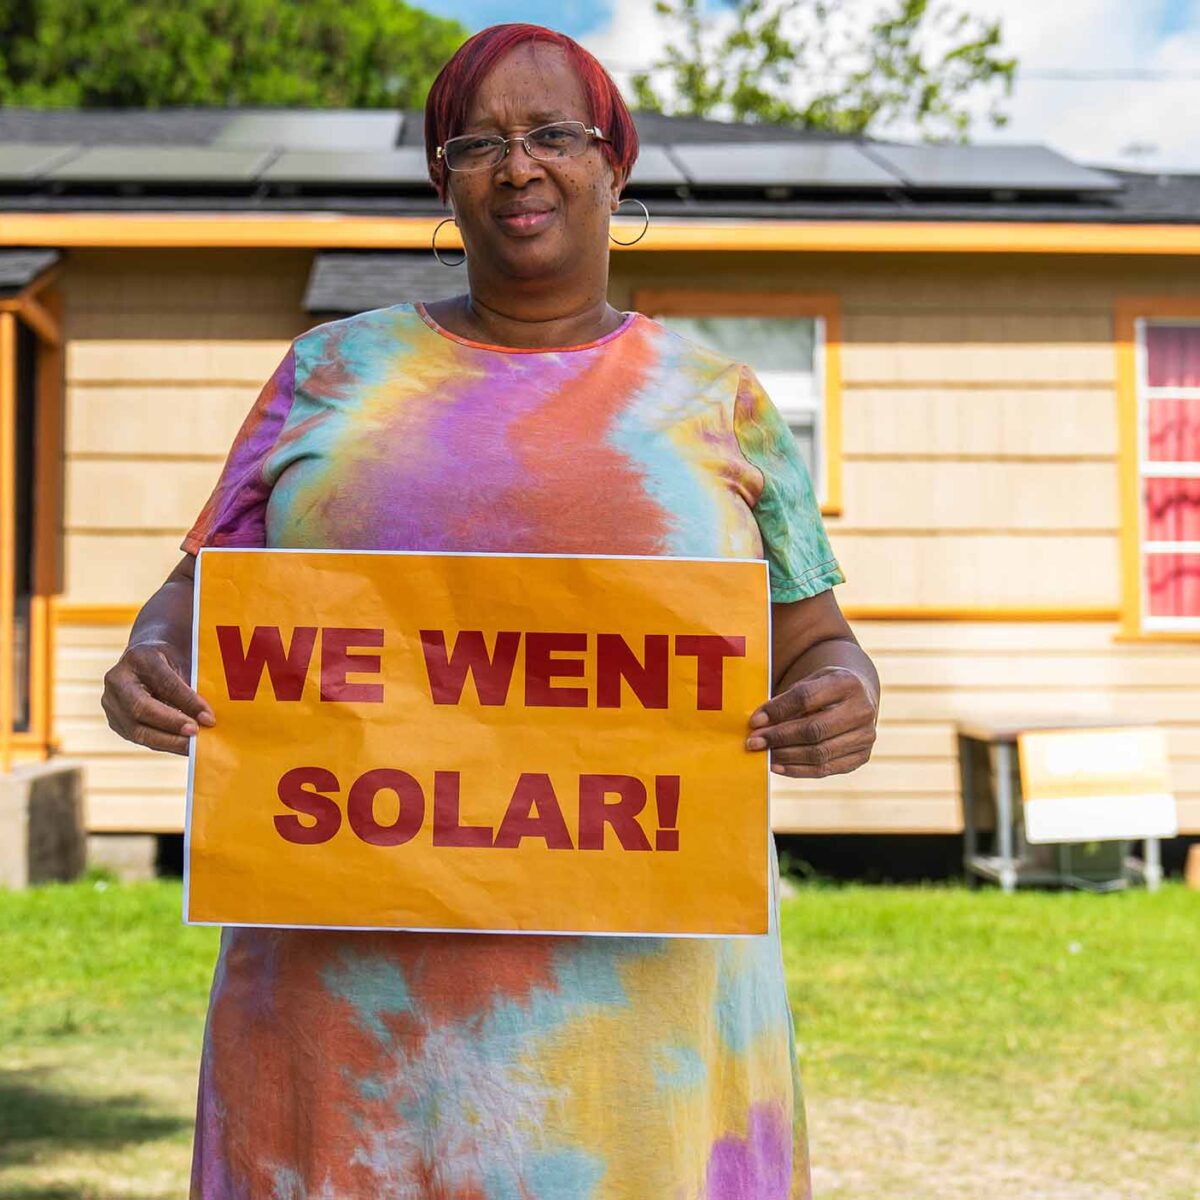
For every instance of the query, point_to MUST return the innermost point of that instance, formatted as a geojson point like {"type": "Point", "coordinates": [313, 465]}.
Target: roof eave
{"type": "Point", "coordinates": [338, 231]}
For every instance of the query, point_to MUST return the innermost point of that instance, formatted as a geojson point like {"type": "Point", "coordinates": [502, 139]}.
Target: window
{"type": "Point", "coordinates": [791, 344]}
{"type": "Point", "coordinates": [1168, 441]}
{"type": "Point", "coordinates": [26, 376]}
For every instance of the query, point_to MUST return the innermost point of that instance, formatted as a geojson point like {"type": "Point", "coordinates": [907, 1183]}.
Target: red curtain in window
{"type": "Point", "coordinates": [1172, 503]}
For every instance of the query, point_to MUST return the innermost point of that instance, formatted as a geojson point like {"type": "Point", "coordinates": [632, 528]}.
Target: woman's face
{"type": "Point", "coordinates": [524, 218]}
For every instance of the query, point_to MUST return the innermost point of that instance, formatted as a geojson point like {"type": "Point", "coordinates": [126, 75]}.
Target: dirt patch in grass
{"type": "Point", "coordinates": [904, 1150]}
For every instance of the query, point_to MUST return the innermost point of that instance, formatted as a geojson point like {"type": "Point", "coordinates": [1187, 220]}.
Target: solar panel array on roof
{"type": "Point", "coordinates": [234, 151]}
{"type": "Point", "coordinates": [170, 164]}
{"type": "Point", "coordinates": [782, 164]}
{"type": "Point", "coordinates": [113, 126]}
{"type": "Point", "coordinates": [656, 168]}
{"type": "Point", "coordinates": [28, 160]}
{"type": "Point", "coordinates": [387, 167]}
{"type": "Point", "coordinates": [335, 129]}
{"type": "Point", "coordinates": [990, 168]}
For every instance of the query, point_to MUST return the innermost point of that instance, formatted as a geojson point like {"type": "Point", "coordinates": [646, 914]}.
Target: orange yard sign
{"type": "Point", "coordinates": [479, 742]}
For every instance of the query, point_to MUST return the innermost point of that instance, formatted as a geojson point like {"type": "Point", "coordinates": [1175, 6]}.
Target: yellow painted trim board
{"type": "Point", "coordinates": [68, 612]}
{"type": "Point", "coordinates": [339, 231]}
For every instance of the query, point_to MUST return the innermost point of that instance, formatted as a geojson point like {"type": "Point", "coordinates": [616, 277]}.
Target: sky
{"type": "Point", "coordinates": [1137, 123]}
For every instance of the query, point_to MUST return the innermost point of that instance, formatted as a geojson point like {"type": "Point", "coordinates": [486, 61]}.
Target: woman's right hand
{"type": "Point", "coordinates": [148, 702]}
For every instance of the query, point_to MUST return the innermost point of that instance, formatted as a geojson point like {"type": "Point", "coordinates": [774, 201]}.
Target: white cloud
{"type": "Point", "coordinates": [1098, 122]}
{"type": "Point", "coordinates": [1102, 121]}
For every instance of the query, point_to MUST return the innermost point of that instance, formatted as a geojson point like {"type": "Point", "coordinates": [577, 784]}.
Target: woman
{"type": "Point", "coordinates": [525, 415]}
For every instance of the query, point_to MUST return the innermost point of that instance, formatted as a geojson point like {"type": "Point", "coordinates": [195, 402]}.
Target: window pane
{"type": "Point", "coordinates": [765, 343]}
{"type": "Point", "coordinates": [1173, 585]}
{"type": "Point", "coordinates": [1172, 510]}
{"type": "Point", "coordinates": [782, 352]}
{"type": "Point", "coordinates": [804, 430]}
{"type": "Point", "coordinates": [1173, 355]}
{"type": "Point", "coordinates": [1173, 430]}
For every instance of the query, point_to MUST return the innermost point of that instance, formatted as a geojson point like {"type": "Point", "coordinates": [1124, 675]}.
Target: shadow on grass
{"type": "Point", "coordinates": [38, 1117]}
{"type": "Point", "coordinates": [39, 1193]}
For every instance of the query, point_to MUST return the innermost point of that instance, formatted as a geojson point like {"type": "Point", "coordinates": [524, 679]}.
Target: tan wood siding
{"type": "Point", "coordinates": [980, 569]}
{"type": "Point", "coordinates": [980, 472]}
{"type": "Point", "coordinates": [934, 673]}
{"type": "Point", "coordinates": [995, 424]}
{"type": "Point", "coordinates": [926, 495]}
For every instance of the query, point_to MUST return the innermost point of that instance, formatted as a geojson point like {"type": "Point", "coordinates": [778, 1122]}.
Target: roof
{"type": "Point", "coordinates": [371, 161]}
{"type": "Point", "coordinates": [351, 282]}
{"type": "Point", "coordinates": [19, 268]}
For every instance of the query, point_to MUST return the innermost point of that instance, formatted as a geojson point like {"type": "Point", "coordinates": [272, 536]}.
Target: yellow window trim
{"type": "Point", "coordinates": [1127, 312]}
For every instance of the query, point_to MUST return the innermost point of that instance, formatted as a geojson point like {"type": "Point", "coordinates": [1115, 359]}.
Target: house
{"type": "Point", "coordinates": [989, 354]}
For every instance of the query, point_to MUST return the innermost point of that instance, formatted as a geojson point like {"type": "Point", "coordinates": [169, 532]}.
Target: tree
{"type": "Point", "coordinates": [149, 53]}
{"type": "Point", "coordinates": [916, 65]}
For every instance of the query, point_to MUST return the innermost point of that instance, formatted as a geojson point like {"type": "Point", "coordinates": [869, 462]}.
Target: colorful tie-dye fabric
{"type": "Point", "coordinates": [412, 1066]}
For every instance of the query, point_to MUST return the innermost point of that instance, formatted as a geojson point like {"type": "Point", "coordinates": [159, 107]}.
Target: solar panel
{"type": "Point", "coordinates": [305, 129]}
{"type": "Point", "coordinates": [329, 168]}
{"type": "Point", "coordinates": [656, 168]}
{"type": "Point", "coordinates": [780, 164]}
{"type": "Point", "coordinates": [991, 168]}
{"type": "Point", "coordinates": [175, 164]}
{"type": "Point", "coordinates": [28, 160]}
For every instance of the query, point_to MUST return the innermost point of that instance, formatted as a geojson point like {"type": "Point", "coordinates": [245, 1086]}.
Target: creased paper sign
{"type": "Point", "coordinates": [479, 742]}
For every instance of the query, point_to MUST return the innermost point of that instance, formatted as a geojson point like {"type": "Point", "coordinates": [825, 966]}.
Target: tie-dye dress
{"type": "Point", "coordinates": [426, 1066]}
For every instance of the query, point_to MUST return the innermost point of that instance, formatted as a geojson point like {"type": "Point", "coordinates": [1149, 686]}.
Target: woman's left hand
{"type": "Point", "coordinates": [823, 724]}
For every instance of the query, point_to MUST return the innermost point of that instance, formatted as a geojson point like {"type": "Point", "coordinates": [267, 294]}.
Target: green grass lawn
{"type": "Point", "coordinates": [948, 1038]}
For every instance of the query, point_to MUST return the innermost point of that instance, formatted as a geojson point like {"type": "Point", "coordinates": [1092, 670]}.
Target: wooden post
{"type": "Point", "coordinates": [1191, 872]}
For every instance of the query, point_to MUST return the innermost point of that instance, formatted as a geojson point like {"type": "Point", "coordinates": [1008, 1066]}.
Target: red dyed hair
{"type": "Point", "coordinates": [456, 84]}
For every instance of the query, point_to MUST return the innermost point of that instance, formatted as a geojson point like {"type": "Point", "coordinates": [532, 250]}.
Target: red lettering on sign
{"type": "Point", "coordinates": [337, 662]}
{"type": "Point", "coordinates": [244, 668]}
{"type": "Point", "coordinates": [647, 677]}
{"type": "Point", "coordinates": [710, 651]}
{"type": "Point", "coordinates": [533, 791]}
{"type": "Point", "coordinates": [533, 811]}
{"type": "Point", "coordinates": [666, 800]}
{"type": "Point", "coordinates": [448, 672]}
{"type": "Point", "coordinates": [595, 812]}
{"type": "Point", "coordinates": [448, 829]}
{"type": "Point", "coordinates": [541, 667]}
{"type": "Point", "coordinates": [360, 807]}
{"type": "Point", "coordinates": [302, 790]}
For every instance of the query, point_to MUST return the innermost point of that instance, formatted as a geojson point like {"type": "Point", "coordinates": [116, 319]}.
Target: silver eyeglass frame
{"type": "Point", "coordinates": [593, 131]}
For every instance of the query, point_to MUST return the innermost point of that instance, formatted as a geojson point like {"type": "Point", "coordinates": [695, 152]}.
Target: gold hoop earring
{"type": "Point", "coordinates": [646, 211]}
{"type": "Point", "coordinates": [433, 242]}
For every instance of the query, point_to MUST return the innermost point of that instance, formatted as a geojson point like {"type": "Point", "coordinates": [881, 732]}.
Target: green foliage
{"type": "Point", "coordinates": [919, 65]}
{"type": "Point", "coordinates": [206, 53]}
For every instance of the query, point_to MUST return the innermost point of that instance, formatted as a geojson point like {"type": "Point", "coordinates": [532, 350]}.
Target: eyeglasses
{"type": "Point", "coordinates": [547, 143]}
